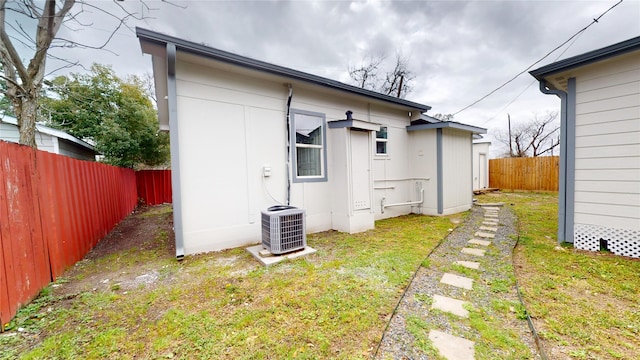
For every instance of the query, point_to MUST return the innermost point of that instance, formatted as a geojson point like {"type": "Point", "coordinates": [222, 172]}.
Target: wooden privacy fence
{"type": "Point", "coordinates": [534, 173]}
{"type": "Point", "coordinates": [53, 210]}
{"type": "Point", "coordinates": [154, 186]}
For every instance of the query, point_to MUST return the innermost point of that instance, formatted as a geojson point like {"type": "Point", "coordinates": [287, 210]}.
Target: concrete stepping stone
{"type": "Point", "coordinates": [450, 305]}
{"type": "Point", "coordinates": [488, 228]}
{"type": "Point", "coordinates": [489, 215]}
{"type": "Point", "coordinates": [472, 251]}
{"type": "Point", "coordinates": [452, 347]}
{"type": "Point", "coordinates": [457, 281]}
{"type": "Point", "coordinates": [485, 235]}
{"type": "Point", "coordinates": [480, 242]}
{"type": "Point", "coordinates": [468, 264]}
{"type": "Point", "coordinates": [496, 205]}
{"type": "Point", "coordinates": [490, 222]}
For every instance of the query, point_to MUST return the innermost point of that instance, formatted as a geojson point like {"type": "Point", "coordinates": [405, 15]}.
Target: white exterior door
{"type": "Point", "coordinates": [360, 169]}
{"type": "Point", "coordinates": [482, 171]}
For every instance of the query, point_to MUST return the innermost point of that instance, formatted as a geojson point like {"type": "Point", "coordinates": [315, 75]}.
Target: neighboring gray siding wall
{"type": "Point", "coordinates": [9, 132]}
{"type": "Point", "coordinates": [75, 151]}
{"type": "Point", "coordinates": [607, 154]}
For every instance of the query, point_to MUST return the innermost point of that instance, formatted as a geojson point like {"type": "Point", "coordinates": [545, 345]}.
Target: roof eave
{"type": "Point", "coordinates": [590, 57]}
{"type": "Point", "coordinates": [158, 39]}
{"type": "Point", "coordinates": [448, 124]}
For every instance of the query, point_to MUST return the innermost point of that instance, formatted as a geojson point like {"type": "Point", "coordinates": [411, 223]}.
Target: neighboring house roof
{"type": "Point", "coordinates": [53, 132]}
{"type": "Point", "coordinates": [149, 39]}
{"type": "Point", "coordinates": [590, 57]}
{"type": "Point", "coordinates": [428, 122]}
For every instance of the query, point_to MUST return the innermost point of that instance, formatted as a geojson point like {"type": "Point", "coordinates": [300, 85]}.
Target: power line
{"type": "Point", "coordinates": [531, 83]}
{"type": "Point", "coordinates": [538, 61]}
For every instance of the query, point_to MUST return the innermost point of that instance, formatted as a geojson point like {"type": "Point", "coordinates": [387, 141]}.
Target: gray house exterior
{"type": "Point", "coordinates": [599, 188]}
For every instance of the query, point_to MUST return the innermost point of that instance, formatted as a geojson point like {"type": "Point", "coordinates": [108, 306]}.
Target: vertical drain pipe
{"type": "Point", "coordinates": [289, 145]}
{"type": "Point", "coordinates": [562, 186]}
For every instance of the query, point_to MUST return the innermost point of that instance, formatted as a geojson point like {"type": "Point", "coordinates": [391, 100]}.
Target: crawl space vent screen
{"type": "Point", "coordinates": [625, 242]}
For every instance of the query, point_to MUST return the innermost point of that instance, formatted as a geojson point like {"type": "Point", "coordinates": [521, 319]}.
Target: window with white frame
{"type": "Point", "coordinates": [310, 154]}
{"type": "Point", "coordinates": [381, 141]}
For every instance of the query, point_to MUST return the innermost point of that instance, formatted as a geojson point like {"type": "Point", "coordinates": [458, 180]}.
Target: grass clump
{"type": "Point", "coordinates": [420, 331]}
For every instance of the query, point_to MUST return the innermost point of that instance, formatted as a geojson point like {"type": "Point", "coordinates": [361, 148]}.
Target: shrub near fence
{"type": "Point", "coordinates": [534, 173]}
{"type": "Point", "coordinates": [53, 210]}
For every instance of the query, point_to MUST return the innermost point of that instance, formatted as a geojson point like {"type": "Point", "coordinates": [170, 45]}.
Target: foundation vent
{"type": "Point", "coordinates": [625, 242]}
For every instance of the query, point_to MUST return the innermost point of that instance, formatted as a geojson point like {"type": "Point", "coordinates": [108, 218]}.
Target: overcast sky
{"type": "Point", "coordinates": [458, 50]}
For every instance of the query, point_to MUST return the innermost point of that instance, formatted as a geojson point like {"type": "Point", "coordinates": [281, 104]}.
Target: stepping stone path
{"type": "Point", "coordinates": [452, 347]}
{"type": "Point", "coordinates": [434, 310]}
{"type": "Point", "coordinates": [480, 242]}
{"type": "Point", "coordinates": [473, 251]}
{"type": "Point", "coordinates": [457, 281]}
{"type": "Point", "coordinates": [449, 346]}
{"type": "Point", "coordinates": [485, 235]}
{"type": "Point", "coordinates": [451, 305]}
{"type": "Point", "coordinates": [468, 264]}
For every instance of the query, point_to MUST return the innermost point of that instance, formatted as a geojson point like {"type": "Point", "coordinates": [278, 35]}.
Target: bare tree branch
{"type": "Point", "coordinates": [24, 78]}
{"type": "Point", "coordinates": [7, 50]}
{"type": "Point", "coordinates": [365, 76]}
{"type": "Point", "coordinates": [394, 82]}
{"type": "Point", "coordinates": [535, 137]}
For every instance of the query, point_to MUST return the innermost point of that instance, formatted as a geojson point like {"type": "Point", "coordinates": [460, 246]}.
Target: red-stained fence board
{"type": "Point", "coordinates": [53, 210]}
{"type": "Point", "coordinates": [154, 186]}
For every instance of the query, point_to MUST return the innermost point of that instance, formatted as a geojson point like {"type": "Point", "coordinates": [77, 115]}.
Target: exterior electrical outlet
{"type": "Point", "coordinates": [283, 229]}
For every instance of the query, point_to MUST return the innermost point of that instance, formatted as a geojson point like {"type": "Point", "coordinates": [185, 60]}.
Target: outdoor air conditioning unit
{"type": "Point", "coordinates": [283, 229]}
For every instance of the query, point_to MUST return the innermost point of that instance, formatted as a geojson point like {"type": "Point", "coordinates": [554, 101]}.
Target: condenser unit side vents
{"type": "Point", "coordinates": [283, 229]}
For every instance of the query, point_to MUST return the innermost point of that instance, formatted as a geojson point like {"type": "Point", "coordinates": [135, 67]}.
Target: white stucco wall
{"type": "Point", "coordinates": [607, 152]}
{"type": "Point", "coordinates": [481, 164]}
{"type": "Point", "coordinates": [395, 174]}
{"type": "Point", "coordinates": [457, 170]}
{"type": "Point", "coordinates": [232, 124]}
{"type": "Point", "coordinates": [423, 160]}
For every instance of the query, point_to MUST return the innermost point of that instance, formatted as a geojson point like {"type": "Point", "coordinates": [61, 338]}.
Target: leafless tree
{"type": "Point", "coordinates": [24, 78]}
{"type": "Point", "coordinates": [395, 81]}
{"type": "Point", "coordinates": [366, 74]}
{"type": "Point", "coordinates": [443, 117]}
{"type": "Point", "coordinates": [537, 137]}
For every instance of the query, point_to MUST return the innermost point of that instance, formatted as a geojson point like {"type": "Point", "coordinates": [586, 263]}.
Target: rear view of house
{"type": "Point", "coordinates": [599, 195]}
{"type": "Point", "coordinates": [247, 135]}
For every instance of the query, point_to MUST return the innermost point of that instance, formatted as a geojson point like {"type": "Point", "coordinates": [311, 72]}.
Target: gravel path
{"type": "Point", "coordinates": [493, 297]}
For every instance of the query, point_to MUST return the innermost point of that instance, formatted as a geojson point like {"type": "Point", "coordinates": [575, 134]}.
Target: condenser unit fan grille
{"type": "Point", "coordinates": [283, 230]}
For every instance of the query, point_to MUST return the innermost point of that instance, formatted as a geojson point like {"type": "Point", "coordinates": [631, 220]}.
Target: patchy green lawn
{"type": "Point", "coordinates": [140, 302]}
{"type": "Point", "coordinates": [585, 305]}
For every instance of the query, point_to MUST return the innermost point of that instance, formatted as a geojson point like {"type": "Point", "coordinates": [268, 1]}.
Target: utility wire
{"type": "Point", "coordinates": [528, 86]}
{"type": "Point", "coordinates": [538, 61]}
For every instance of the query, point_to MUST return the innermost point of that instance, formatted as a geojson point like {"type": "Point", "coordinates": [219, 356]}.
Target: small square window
{"type": "Point", "coordinates": [381, 141]}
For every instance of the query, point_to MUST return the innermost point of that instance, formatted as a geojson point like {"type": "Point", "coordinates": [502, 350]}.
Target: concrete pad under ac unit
{"type": "Point", "coordinates": [258, 252]}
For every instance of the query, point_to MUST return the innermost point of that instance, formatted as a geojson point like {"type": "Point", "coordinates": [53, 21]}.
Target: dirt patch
{"type": "Point", "coordinates": [147, 229]}
{"type": "Point", "coordinates": [138, 231]}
